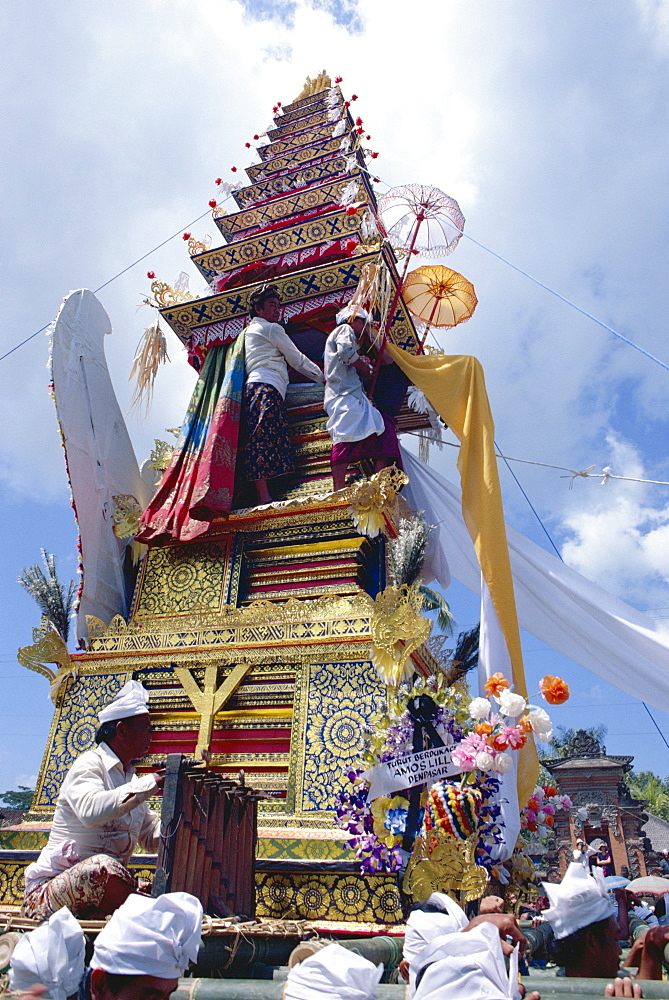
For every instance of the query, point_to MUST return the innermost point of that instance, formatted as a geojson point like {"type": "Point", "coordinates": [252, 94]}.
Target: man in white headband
{"type": "Point", "coordinates": [144, 948]}
{"type": "Point", "coordinates": [357, 428]}
{"type": "Point", "coordinates": [439, 915]}
{"type": "Point", "coordinates": [101, 815]}
{"type": "Point", "coordinates": [333, 972]}
{"type": "Point", "coordinates": [51, 956]}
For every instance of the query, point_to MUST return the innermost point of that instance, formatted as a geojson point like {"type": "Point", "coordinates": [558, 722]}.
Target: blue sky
{"type": "Point", "coordinates": [545, 119]}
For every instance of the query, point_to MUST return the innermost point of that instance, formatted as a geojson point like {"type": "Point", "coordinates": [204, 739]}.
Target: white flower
{"type": "Point", "coordinates": [479, 708]}
{"type": "Point", "coordinates": [503, 762]}
{"type": "Point", "coordinates": [541, 816]}
{"type": "Point", "coordinates": [484, 760]}
{"type": "Point", "coordinates": [511, 704]}
{"type": "Point", "coordinates": [541, 724]}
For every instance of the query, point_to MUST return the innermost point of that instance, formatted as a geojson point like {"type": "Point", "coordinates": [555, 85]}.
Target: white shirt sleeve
{"type": "Point", "coordinates": [280, 339]}
{"type": "Point", "coordinates": [94, 804]}
{"type": "Point", "coordinates": [344, 339]}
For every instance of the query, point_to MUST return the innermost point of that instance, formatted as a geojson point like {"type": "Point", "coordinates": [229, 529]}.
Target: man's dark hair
{"type": "Point", "coordinates": [427, 908]}
{"type": "Point", "coordinates": [115, 982]}
{"type": "Point", "coordinates": [569, 951]}
{"type": "Point", "coordinates": [258, 298]}
{"type": "Point", "coordinates": [106, 732]}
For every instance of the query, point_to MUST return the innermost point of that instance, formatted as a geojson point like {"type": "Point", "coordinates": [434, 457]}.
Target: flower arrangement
{"type": "Point", "coordinates": [465, 806]}
{"type": "Point", "coordinates": [538, 816]}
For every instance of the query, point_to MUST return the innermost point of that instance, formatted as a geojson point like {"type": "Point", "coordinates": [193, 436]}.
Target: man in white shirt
{"type": "Point", "coordinates": [101, 815]}
{"type": "Point", "coordinates": [357, 428]}
{"type": "Point", "coordinates": [268, 352]}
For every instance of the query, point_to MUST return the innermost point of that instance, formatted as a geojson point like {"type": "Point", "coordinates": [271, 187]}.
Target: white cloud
{"type": "Point", "coordinates": [618, 537]}
{"type": "Point", "coordinates": [27, 780]}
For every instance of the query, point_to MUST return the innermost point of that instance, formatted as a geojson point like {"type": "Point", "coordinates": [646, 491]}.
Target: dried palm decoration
{"type": "Point", "coordinates": [150, 355]}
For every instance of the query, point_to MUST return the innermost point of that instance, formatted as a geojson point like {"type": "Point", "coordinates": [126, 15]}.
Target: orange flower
{"type": "Point", "coordinates": [549, 820]}
{"type": "Point", "coordinates": [499, 742]}
{"type": "Point", "coordinates": [483, 728]}
{"type": "Point", "coordinates": [495, 684]}
{"type": "Point", "coordinates": [524, 724]}
{"type": "Point", "coordinates": [554, 689]}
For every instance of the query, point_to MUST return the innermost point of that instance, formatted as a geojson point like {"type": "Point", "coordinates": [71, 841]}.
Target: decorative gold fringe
{"type": "Point", "coordinates": [374, 290]}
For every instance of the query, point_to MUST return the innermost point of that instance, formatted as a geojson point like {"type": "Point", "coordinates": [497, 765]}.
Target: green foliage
{"type": "Point", "coordinates": [17, 800]}
{"type": "Point", "coordinates": [655, 790]}
{"type": "Point", "coordinates": [53, 600]}
{"type": "Point", "coordinates": [563, 736]}
{"type": "Point", "coordinates": [433, 601]}
{"type": "Point", "coordinates": [466, 652]}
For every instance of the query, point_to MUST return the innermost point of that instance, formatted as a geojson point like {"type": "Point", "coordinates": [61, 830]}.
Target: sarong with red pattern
{"type": "Point", "coordinates": [80, 888]}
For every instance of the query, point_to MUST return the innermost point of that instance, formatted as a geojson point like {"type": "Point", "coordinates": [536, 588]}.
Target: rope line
{"type": "Point", "coordinates": [109, 281]}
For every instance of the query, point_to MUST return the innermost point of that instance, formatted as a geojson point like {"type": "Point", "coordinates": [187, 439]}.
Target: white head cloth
{"type": "Point", "coordinates": [422, 928]}
{"type": "Point", "coordinates": [131, 700]}
{"type": "Point", "coordinates": [469, 965]}
{"type": "Point", "coordinates": [350, 312]}
{"type": "Point", "coordinates": [151, 937]}
{"type": "Point", "coordinates": [52, 954]}
{"type": "Point", "coordinates": [580, 899]}
{"type": "Point", "coordinates": [333, 972]}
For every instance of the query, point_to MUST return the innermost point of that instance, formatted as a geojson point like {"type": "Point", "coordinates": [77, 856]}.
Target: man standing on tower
{"type": "Point", "coordinates": [100, 817]}
{"type": "Point", "coordinates": [268, 352]}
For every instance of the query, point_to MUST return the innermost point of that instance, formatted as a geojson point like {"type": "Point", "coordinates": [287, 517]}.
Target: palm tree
{"type": "Point", "coordinates": [53, 600]}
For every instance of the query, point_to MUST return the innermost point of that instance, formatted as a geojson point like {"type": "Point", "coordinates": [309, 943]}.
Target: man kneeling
{"type": "Point", "coordinates": [100, 817]}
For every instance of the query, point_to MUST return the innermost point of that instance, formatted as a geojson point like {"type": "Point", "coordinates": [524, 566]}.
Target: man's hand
{"type": "Point", "coordinates": [506, 924]}
{"type": "Point", "coordinates": [160, 777]}
{"type": "Point", "coordinates": [491, 904]}
{"type": "Point", "coordinates": [647, 951]}
{"type": "Point", "coordinates": [623, 988]}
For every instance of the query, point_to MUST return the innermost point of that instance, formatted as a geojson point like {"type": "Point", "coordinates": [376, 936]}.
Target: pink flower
{"type": "Point", "coordinates": [464, 758]}
{"type": "Point", "coordinates": [549, 809]}
{"type": "Point", "coordinates": [565, 802]}
{"type": "Point", "coordinates": [530, 815]}
{"type": "Point", "coordinates": [514, 737]}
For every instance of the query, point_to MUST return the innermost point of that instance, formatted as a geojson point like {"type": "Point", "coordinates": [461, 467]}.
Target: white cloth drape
{"type": "Point", "coordinates": [555, 603]}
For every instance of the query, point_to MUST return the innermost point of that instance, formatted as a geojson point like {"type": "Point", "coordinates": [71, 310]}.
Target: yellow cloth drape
{"type": "Point", "coordinates": [455, 386]}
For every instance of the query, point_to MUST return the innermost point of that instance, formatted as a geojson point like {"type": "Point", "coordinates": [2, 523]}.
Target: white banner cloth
{"type": "Point", "coordinates": [555, 603]}
{"type": "Point", "coordinates": [406, 772]}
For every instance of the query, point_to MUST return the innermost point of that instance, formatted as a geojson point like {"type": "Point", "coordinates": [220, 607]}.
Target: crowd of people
{"type": "Point", "coordinates": [102, 814]}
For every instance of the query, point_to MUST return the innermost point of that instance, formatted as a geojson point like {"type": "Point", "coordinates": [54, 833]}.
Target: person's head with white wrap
{"type": "Point", "coordinates": [468, 965]}
{"type": "Point", "coordinates": [349, 313]}
{"type": "Point", "coordinates": [582, 916]}
{"type": "Point", "coordinates": [333, 972]}
{"type": "Point", "coordinates": [125, 724]}
{"type": "Point", "coordinates": [145, 947]}
{"type": "Point", "coordinates": [51, 956]}
{"type": "Point", "coordinates": [439, 915]}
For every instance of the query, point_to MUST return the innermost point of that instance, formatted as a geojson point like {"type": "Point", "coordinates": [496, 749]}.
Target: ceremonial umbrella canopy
{"type": "Point", "coordinates": [423, 218]}
{"type": "Point", "coordinates": [439, 296]}
{"type": "Point", "coordinates": [420, 219]}
{"type": "Point", "coordinates": [649, 883]}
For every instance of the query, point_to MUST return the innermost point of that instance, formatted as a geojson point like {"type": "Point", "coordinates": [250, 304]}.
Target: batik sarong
{"type": "Point", "coordinates": [268, 450]}
{"type": "Point", "coordinates": [80, 888]}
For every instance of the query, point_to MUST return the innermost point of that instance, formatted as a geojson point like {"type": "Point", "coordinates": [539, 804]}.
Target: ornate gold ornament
{"type": "Point", "coordinates": [48, 647]}
{"type": "Point", "coordinates": [209, 699]}
{"type": "Point", "coordinates": [440, 864]}
{"type": "Point", "coordinates": [161, 454]}
{"type": "Point", "coordinates": [397, 629]}
{"type": "Point", "coordinates": [197, 246]}
{"type": "Point", "coordinates": [371, 499]}
{"type": "Point", "coordinates": [126, 514]}
{"type": "Point", "coordinates": [165, 295]}
{"type": "Point", "coordinates": [311, 87]}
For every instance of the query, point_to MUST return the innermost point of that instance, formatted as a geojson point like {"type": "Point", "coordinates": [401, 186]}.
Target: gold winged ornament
{"type": "Point", "coordinates": [371, 499]}
{"type": "Point", "coordinates": [47, 647]}
{"type": "Point", "coordinates": [397, 630]}
{"type": "Point", "coordinates": [126, 513]}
